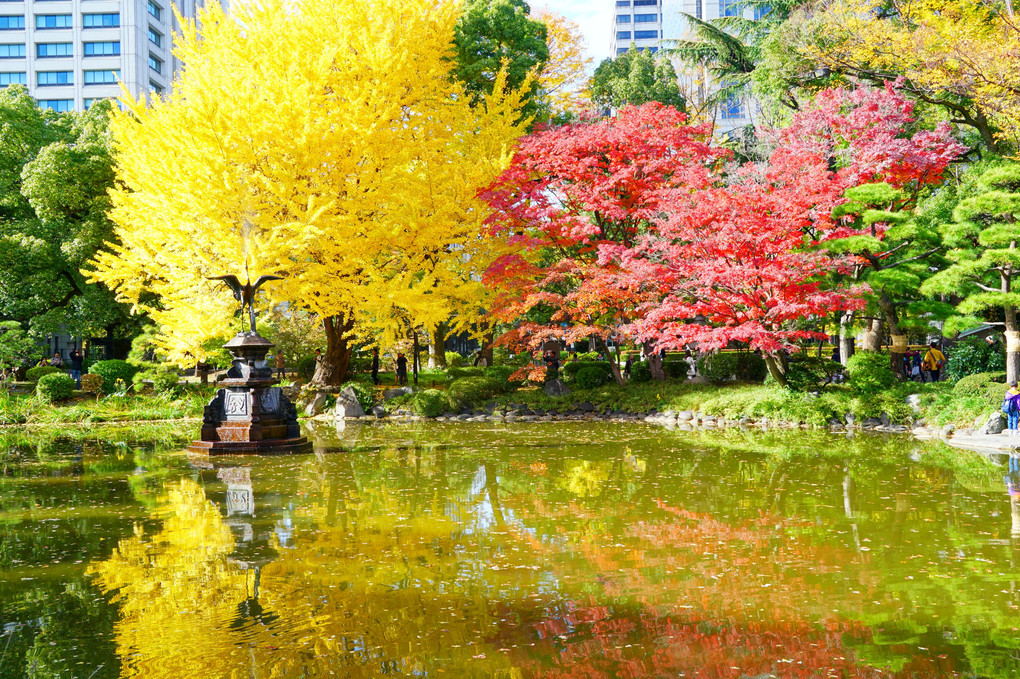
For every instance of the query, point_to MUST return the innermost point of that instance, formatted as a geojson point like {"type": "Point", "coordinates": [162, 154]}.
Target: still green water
{"type": "Point", "coordinates": [582, 550]}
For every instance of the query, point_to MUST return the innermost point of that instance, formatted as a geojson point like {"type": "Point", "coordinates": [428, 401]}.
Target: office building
{"type": "Point", "coordinates": [71, 53]}
{"type": "Point", "coordinates": [651, 24]}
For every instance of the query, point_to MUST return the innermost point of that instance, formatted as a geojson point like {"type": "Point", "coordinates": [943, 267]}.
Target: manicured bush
{"type": "Point", "coordinates": [675, 370]}
{"type": "Point", "coordinates": [55, 387]}
{"type": "Point", "coordinates": [870, 372]}
{"type": "Point", "coordinates": [718, 368]}
{"type": "Point", "coordinates": [429, 402]}
{"type": "Point", "coordinates": [305, 367]}
{"type": "Point", "coordinates": [92, 384]}
{"type": "Point", "coordinates": [590, 377]}
{"type": "Point", "coordinates": [571, 369]}
{"type": "Point", "coordinates": [33, 374]}
{"type": "Point", "coordinates": [454, 360]}
{"type": "Point", "coordinates": [113, 370]}
{"type": "Point", "coordinates": [640, 372]}
{"type": "Point", "coordinates": [989, 386]}
{"type": "Point", "coordinates": [472, 391]}
{"type": "Point", "coordinates": [364, 392]}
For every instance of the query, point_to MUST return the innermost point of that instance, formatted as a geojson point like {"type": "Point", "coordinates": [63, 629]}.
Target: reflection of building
{"type": "Point", "coordinates": [651, 24]}
{"type": "Point", "coordinates": [71, 53]}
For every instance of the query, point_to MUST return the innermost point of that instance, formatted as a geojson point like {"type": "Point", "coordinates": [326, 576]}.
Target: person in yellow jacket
{"type": "Point", "coordinates": [933, 363]}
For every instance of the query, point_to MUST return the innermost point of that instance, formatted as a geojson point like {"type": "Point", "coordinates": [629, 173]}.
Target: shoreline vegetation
{"type": "Point", "coordinates": [476, 394]}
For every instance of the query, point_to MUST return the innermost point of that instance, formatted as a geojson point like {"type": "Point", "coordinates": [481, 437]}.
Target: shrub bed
{"type": "Point", "coordinates": [55, 387]}
{"type": "Point", "coordinates": [591, 377]}
{"type": "Point", "coordinates": [571, 369]}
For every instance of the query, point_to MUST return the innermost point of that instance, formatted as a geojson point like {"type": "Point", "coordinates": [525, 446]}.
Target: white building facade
{"type": "Point", "coordinates": [651, 24]}
{"type": "Point", "coordinates": [72, 53]}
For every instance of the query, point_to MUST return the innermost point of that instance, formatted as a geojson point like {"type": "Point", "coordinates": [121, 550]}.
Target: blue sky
{"type": "Point", "coordinates": [593, 16]}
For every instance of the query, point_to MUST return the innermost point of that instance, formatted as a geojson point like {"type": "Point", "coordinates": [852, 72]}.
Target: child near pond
{"type": "Point", "coordinates": [1011, 407]}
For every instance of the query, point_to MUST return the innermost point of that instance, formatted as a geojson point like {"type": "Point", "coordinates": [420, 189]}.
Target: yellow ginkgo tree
{"type": "Point", "coordinates": [322, 141]}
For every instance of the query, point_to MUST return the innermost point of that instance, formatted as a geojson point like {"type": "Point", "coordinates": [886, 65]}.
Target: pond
{"type": "Point", "coordinates": [548, 550]}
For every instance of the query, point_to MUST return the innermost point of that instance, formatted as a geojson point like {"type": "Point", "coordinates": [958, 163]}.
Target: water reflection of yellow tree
{"type": "Point", "coordinates": [375, 588]}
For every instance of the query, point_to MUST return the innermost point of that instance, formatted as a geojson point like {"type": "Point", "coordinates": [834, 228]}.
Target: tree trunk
{"type": "Point", "coordinates": [1012, 346]}
{"type": "Point", "coordinates": [1012, 333]}
{"type": "Point", "coordinates": [416, 360]}
{"type": "Point", "coordinates": [872, 340]}
{"type": "Point", "coordinates": [846, 337]}
{"type": "Point", "coordinates": [332, 370]}
{"type": "Point", "coordinates": [613, 365]}
{"type": "Point", "coordinates": [898, 345]}
{"type": "Point", "coordinates": [437, 347]}
{"type": "Point", "coordinates": [777, 365]}
{"type": "Point", "coordinates": [654, 362]}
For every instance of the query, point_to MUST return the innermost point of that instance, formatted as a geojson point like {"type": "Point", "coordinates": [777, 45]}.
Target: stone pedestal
{"type": "Point", "coordinates": [250, 414]}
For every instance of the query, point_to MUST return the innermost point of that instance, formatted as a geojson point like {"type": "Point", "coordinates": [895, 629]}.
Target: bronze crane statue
{"type": "Point", "coordinates": [245, 294]}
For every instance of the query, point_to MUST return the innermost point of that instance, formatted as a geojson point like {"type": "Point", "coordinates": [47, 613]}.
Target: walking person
{"type": "Point", "coordinates": [375, 366]}
{"type": "Point", "coordinates": [1011, 408]}
{"type": "Point", "coordinates": [933, 363]}
{"type": "Point", "coordinates": [401, 369]}
{"type": "Point", "coordinates": [281, 364]}
{"type": "Point", "coordinates": [76, 361]}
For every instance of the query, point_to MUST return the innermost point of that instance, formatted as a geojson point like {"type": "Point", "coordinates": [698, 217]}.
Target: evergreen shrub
{"type": "Point", "coordinates": [454, 360]}
{"type": "Point", "coordinates": [428, 402]}
{"type": "Point", "coordinates": [305, 367]}
{"type": "Point", "coordinates": [870, 372]}
{"type": "Point", "coordinates": [719, 367]}
{"type": "Point", "coordinates": [971, 357]}
{"type": "Point", "coordinates": [33, 374]}
{"type": "Point", "coordinates": [675, 370]}
{"type": "Point", "coordinates": [990, 386]}
{"type": "Point", "coordinates": [591, 378]}
{"type": "Point", "coordinates": [470, 371]}
{"type": "Point", "coordinates": [640, 372]}
{"type": "Point", "coordinates": [472, 391]}
{"type": "Point", "coordinates": [113, 370]}
{"type": "Point", "coordinates": [55, 387]}
{"type": "Point", "coordinates": [571, 369]}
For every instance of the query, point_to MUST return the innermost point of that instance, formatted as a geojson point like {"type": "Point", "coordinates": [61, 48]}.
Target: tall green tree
{"type": "Point", "coordinates": [635, 77]}
{"type": "Point", "coordinates": [729, 48]}
{"type": "Point", "coordinates": [491, 33]}
{"type": "Point", "coordinates": [982, 242]}
{"type": "Point", "coordinates": [55, 172]}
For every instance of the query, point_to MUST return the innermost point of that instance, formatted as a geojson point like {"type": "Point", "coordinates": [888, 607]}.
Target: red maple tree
{"type": "Point", "coordinates": [572, 192]}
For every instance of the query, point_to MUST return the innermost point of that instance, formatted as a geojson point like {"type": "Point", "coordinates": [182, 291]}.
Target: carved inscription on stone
{"type": "Point", "coordinates": [237, 404]}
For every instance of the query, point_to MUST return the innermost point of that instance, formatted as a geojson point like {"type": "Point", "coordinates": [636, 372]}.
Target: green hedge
{"type": "Point", "coordinates": [454, 360]}
{"type": "Point", "coordinates": [571, 369]}
{"type": "Point", "coordinates": [33, 374]}
{"type": "Point", "coordinates": [991, 386]}
{"type": "Point", "coordinates": [55, 387]}
{"type": "Point", "coordinates": [675, 370]}
{"type": "Point", "coordinates": [164, 379]}
{"type": "Point", "coordinates": [113, 370]}
{"type": "Point", "coordinates": [591, 377]}
{"type": "Point", "coordinates": [745, 366]}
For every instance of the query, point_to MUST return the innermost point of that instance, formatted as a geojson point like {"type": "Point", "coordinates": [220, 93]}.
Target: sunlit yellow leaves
{"type": "Point", "coordinates": [318, 140]}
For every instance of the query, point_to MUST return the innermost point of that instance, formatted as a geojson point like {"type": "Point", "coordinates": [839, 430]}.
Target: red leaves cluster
{"type": "Point", "coordinates": [629, 224]}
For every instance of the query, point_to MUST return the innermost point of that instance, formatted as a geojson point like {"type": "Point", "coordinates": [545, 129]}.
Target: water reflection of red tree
{"type": "Point", "coordinates": [700, 597]}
